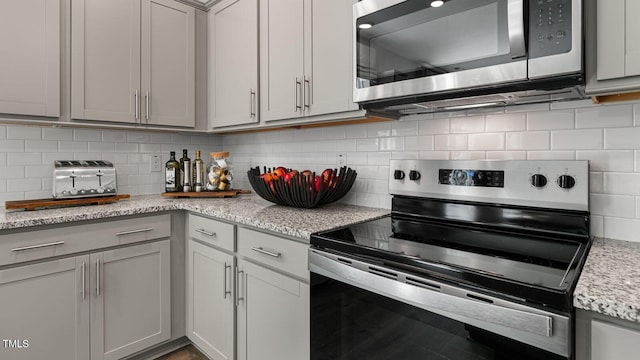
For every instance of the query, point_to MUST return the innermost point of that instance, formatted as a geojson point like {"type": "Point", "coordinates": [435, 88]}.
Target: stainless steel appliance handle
{"type": "Point", "coordinates": [137, 105]}
{"type": "Point", "coordinates": [31, 247]}
{"type": "Point", "coordinates": [263, 251]}
{"type": "Point", "coordinates": [204, 232]}
{"type": "Point", "coordinates": [515, 23]}
{"type": "Point", "coordinates": [83, 279]}
{"type": "Point", "coordinates": [133, 231]}
{"type": "Point", "coordinates": [298, 86]}
{"type": "Point", "coordinates": [252, 99]}
{"type": "Point", "coordinates": [97, 277]}
{"type": "Point", "coordinates": [462, 308]}
{"type": "Point", "coordinates": [224, 283]}
{"type": "Point", "coordinates": [146, 112]}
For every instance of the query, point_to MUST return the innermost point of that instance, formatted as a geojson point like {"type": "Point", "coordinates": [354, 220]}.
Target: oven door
{"type": "Point", "coordinates": [381, 313]}
{"type": "Point", "coordinates": [407, 47]}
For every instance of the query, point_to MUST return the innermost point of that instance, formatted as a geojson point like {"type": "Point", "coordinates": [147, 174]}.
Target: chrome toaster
{"type": "Point", "coordinates": [83, 178]}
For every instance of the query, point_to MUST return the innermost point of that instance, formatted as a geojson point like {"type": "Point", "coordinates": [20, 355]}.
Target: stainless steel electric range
{"type": "Point", "coordinates": [478, 260]}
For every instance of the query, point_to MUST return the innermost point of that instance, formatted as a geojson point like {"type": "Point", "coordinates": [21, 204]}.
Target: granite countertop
{"type": "Point", "coordinates": [245, 209]}
{"type": "Point", "coordinates": [610, 280]}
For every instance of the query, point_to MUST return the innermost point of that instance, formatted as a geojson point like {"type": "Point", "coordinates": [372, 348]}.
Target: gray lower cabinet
{"type": "Point", "coordinates": [273, 315]}
{"type": "Point", "coordinates": [600, 337]}
{"type": "Point", "coordinates": [247, 293]}
{"type": "Point", "coordinates": [105, 304]}
{"type": "Point", "coordinates": [45, 313]}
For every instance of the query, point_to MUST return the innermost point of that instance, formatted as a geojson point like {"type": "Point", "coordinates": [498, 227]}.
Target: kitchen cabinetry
{"type": "Point", "coordinates": [233, 60]}
{"type": "Point", "coordinates": [600, 337]}
{"type": "Point", "coordinates": [30, 61]}
{"type": "Point", "coordinates": [613, 49]}
{"type": "Point", "coordinates": [264, 285]}
{"type": "Point", "coordinates": [305, 58]}
{"type": "Point", "coordinates": [133, 62]}
{"type": "Point", "coordinates": [104, 305]}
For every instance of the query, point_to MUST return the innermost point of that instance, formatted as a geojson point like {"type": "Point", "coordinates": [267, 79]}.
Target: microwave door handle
{"type": "Point", "coordinates": [515, 24]}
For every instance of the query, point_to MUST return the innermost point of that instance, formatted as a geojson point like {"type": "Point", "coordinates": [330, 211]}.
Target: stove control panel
{"type": "Point", "coordinates": [545, 183]}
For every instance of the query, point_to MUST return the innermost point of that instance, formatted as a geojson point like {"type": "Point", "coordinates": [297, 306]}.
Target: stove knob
{"type": "Point", "coordinates": [414, 175]}
{"type": "Point", "coordinates": [566, 181]}
{"type": "Point", "coordinates": [538, 180]}
{"type": "Point", "coordinates": [398, 175]}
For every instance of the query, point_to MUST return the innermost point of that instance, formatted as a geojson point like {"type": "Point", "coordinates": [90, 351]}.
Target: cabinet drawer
{"type": "Point", "coordinates": [40, 244]}
{"type": "Point", "coordinates": [283, 254]}
{"type": "Point", "coordinates": [211, 232]}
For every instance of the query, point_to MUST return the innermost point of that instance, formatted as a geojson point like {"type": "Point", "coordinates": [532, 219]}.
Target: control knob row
{"type": "Point", "coordinates": [563, 181]}
{"type": "Point", "coordinates": [413, 175]}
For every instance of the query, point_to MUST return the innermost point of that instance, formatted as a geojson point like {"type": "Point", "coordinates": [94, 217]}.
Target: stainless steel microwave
{"type": "Point", "coordinates": [416, 56]}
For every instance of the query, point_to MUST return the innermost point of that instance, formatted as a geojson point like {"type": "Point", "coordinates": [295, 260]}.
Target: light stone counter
{"type": "Point", "coordinates": [610, 280]}
{"type": "Point", "coordinates": [245, 209]}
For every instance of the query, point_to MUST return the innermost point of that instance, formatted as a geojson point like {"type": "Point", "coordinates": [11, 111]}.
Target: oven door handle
{"type": "Point", "coordinates": [515, 24]}
{"type": "Point", "coordinates": [522, 324]}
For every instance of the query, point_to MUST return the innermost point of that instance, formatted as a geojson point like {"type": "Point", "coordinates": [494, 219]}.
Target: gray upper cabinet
{"type": "Point", "coordinates": [30, 61]}
{"type": "Point", "coordinates": [305, 58]}
{"type": "Point", "coordinates": [233, 60]}
{"type": "Point", "coordinates": [613, 47]}
{"type": "Point", "coordinates": [133, 62]}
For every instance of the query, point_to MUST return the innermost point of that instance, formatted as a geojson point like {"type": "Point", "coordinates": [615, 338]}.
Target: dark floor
{"type": "Point", "coordinates": [186, 353]}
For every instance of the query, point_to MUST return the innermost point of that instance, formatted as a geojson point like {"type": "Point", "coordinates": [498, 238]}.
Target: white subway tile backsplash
{"type": "Point", "coordinates": [12, 145]}
{"type": "Point", "coordinates": [44, 146]}
{"type": "Point", "coordinates": [636, 114]}
{"type": "Point", "coordinates": [506, 155]}
{"type": "Point", "coordinates": [87, 156]}
{"type": "Point", "coordinates": [434, 155]}
{"type": "Point", "coordinates": [346, 145]}
{"type": "Point", "coordinates": [72, 146]}
{"type": "Point", "coordinates": [534, 140]}
{"type": "Point", "coordinates": [379, 129]}
{"type": "Point", "coordinates": [487, 141]}
{"type": "Point", "coordinates": [604, 116]}
{"type": "Point", "coordinates": [131, 147]}
{"type": "Point", "coordinates": [418, 143]}
{"type": "Point", "coordinates": [50, 157]}
{"type": "Point", "coordinates": [28, 184]}
{"type": "Point", "coordinates": [597, 226]}
{"type": "Point", "coordinates": [87, 135]}
{"type": "Point", "coordinates": [622, 138]}
{"type": "Point", "coordinates": [24, 132]}
{"type": "Point", "coordinates": [527, 108]}
{"type": "Point", "coordinates": [379, 158]}
{"type": "Point", "coordinates": [404, 128]}
{"type": "Point", "coordinates": [39, 171]}
{"type": "Point", "coordinates": [105, 147]}
{"type": "Point", "coordinates": [608, 160]}
{"type": "Point", "coordinates": [571, 104]}
{"type": "Point", "coordinates": [356, 158]}
{"type": "Point", "coordinates": [590, 139]}
{"type": "Point", "coordinates": [621, 228]}
{"type": "Point", "coordinates": [117, 136]}
{"type": "Point", "coordinates": [596, 182]}
{"type": "Point", "coordinates": [156, 138]}
{"type": "Point", "coordinates": [356, 131]}
{"type": "Point", "coordinates": [507, 122]}
{"type": "Point", "coordinates": [467, 155]}
{"type": "Point", "coordinates": [391, 144]}
{"type": "Point", "coordinates": [621, 183]}
{"type": "Point", "coordinates": [404, 155]}
{"type": "Point", "coordinates": [433, 127]}
{"type": "Point", "coordinates": [11, 172]}
{"type": "Point", "coordinates": [466, 125]}
{"type": "Point", "coordinates": [551, 155]}
{"type": "Point", "coordinates": [367, 144]}
{"type": "Point", "coordinates": [156, 148]}
{"type": "Point", "coordinates": [336, 132]}
{"type": "Point", "coordinates": [57, 134]}
{"type": "Point", "coordinates": [23, 158]}
{"type": "Point", "coordinates": [139, 137]}
{"type": "Point", "coordinates": [551, 120]}
{"type": "Point", "coordinates": [3, 132]}
{"type": "Point", "coordinates": [450, 142]}
{"type": "Point", "coordinates": [613, 205]}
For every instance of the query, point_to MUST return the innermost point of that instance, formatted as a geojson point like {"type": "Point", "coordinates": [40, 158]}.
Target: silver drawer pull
{"type": "Point", "coordinates": [204, 232]}
{"type": "Point", "coordinates": [133, 231]}
{"type": "Point", "coordinates": [263, 251]}
{"type": "Point", "coordinates": [31, 247]}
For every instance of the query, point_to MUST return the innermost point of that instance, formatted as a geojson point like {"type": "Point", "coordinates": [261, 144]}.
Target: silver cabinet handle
{"type": "Point", "coordinates": [263, 251]}
{"type": "Point", "coordinates": [224, 284]}
{"type": "Point", "coordinates": [31, 247]}
{"type": "Point", "coordinates": [137, 106]}
{"type": "Point", "coordinates": [252, 99]}
{"type": "Point", "coordinates": [133, 231]}
{"type": "Point", "coordinates": [204, 232]}
{"type": "Point", "coordinates": [84, 271]}
{"type": "Point", "coordinates": [307, 93]}
{"type": "Point", "coordinates": [146, 112]}
{"type": "Point", "coordinates": [97, 277]}
{"type": "Point", "coordinates": [238, 276]}
{"type": "Point", "coordinates": [298, 85]}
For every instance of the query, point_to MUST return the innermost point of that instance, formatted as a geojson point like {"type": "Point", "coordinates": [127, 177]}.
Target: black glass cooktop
{"type": "Point", "coordinates": [531, 268]}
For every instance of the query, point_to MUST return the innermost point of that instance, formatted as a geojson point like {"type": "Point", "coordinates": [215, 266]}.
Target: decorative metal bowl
{"type": "Point", "coordinates": [300, 190]}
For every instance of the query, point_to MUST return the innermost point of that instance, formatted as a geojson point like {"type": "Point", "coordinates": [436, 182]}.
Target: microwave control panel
{"type": "Point", "coordinates": [549, 27]}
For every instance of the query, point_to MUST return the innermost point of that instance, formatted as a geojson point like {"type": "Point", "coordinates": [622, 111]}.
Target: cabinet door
{"type": "Point", "coordinates": [281, 59]}
{"type": "Point", "coordinates": [233, 56]}
{"type": "Point", "coordinates": [105, 53]}
{"type": "Point", "coordinates": [45, 312]}
{"type": "Point", "coordinates": [168, 63]}
{"type": "Point", "coordinates": [30, 61]}
{"type": "Point", "coordinates": [329, 56]}
{"type": "Point", "coordinates": [273, 315]}
{"type": "Point", "coordinates": [210, 307]}
{"type": "Point", "coordinates": [612, 342]}
{"type": "Point", "coordinates": [130, 306]}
